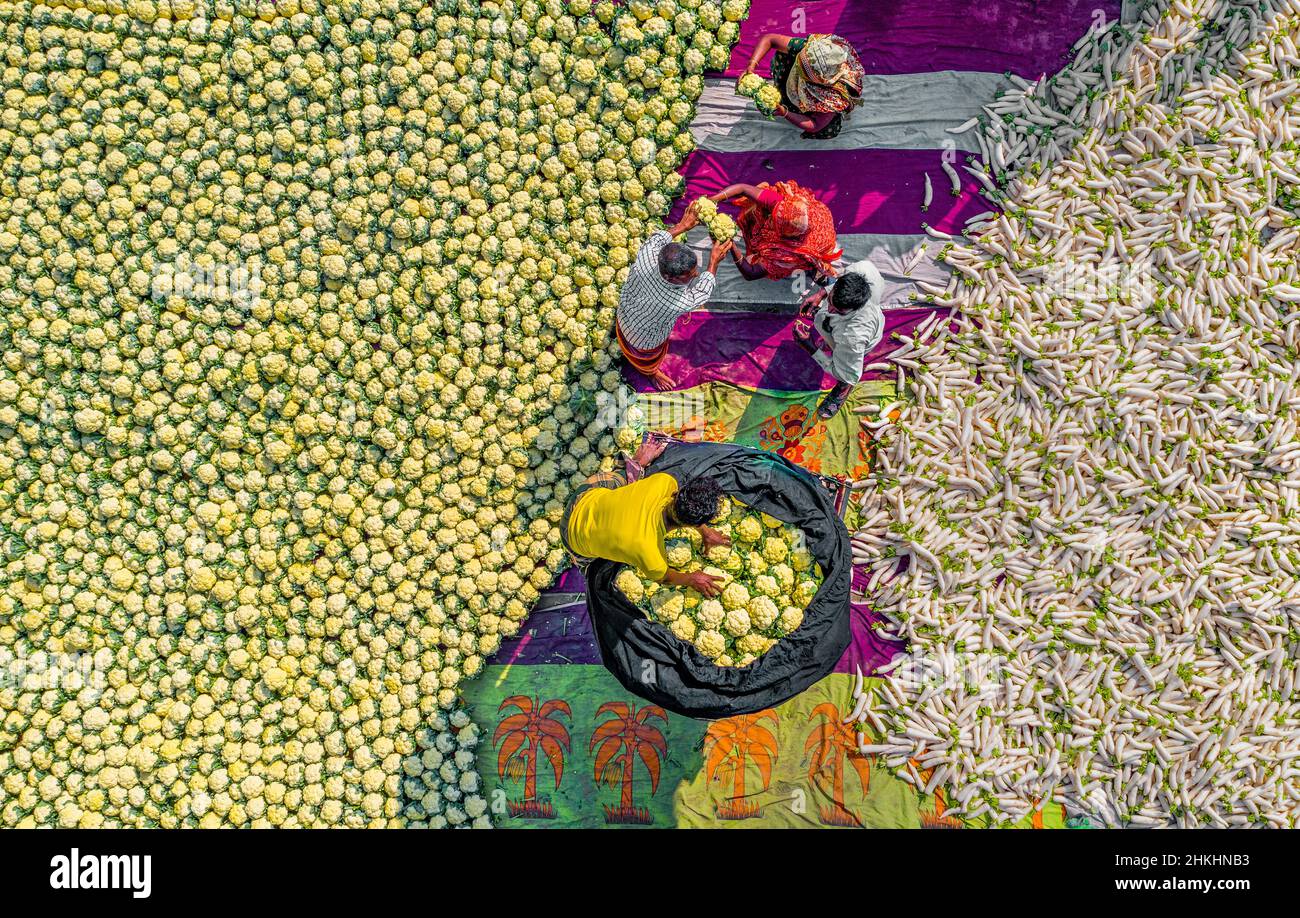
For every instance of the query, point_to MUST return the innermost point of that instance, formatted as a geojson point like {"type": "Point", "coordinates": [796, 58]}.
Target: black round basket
{"type": "Point", "coordinates": [655, 664]}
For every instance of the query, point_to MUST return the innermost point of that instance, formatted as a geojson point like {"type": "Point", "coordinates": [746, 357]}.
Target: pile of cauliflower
{"type": "Point", "coordinates": [770, 579]}
{"type": "Point", "coordinates": [443, 787]}
{"type": "Point", "coordinates": [305, 312]}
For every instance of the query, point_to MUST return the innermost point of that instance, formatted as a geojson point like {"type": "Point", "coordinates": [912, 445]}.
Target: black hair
{"type": "Point", "coordinates": [850, 292]}
{"type": "Point", "coordinates": [697, 501]}
{"type": "Point", "coordinates": [676, 261]}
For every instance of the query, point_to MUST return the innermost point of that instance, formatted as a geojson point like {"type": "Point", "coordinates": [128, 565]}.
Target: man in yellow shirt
{"type": "Point", "coordinates": [612, 519]}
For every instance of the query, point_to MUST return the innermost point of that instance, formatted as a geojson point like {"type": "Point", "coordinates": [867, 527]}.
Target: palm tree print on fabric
{"type": "Point", "coordinates": [937, 819]}
{"type": "Point", "coordinates": [731, 745]}
{"type": "Point", "coordinates": [521, 738]}
{"type": "Point", "coordinates": [831, 743]}
{"type": "Point", "coordinates": [619, 743]}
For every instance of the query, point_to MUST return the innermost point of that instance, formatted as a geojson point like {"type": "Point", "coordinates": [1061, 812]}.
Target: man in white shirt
{"type": "Point", "coordinates": [663, 284]}
{"type": "Point", "coordinates": [851, 323]}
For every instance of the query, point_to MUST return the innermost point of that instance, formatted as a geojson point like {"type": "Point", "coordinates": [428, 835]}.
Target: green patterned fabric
{"type": "Point", "coordinates": [568, 746]}
{"type": "Point", "coordinates": [780, 422]}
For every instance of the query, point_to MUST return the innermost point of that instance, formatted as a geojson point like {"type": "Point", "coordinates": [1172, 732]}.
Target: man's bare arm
{"type": "Point", "coordinates": [700, 582]}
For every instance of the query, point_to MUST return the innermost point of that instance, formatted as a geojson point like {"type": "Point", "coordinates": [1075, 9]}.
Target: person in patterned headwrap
{"type": "Point", "coordinates": [785, 229]}
{"type": "Point", "coordinates": [820, 78]}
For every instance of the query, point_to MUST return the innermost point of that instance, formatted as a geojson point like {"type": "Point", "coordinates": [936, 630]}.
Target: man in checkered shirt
{"type": "Point", "coordinates": [663, 283]}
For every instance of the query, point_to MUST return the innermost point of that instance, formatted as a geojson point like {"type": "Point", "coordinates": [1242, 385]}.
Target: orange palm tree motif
{"type": "Point", "coordinates": [729, 746]}
{"type": "Point", "coordinates": [699, 428]}
{"type": "Point", "coordinates": [937, 819]}
{"type": "Point", "coordinates": [831, 741]}
{"type": "Point", "coordinates": [716, 432]}
{"type": "Point", "coordinates": [622, 740]}
{"type": "Point", "coordinates": [524, 736]}
{"type": "Point", "coordinates": [866, 455]}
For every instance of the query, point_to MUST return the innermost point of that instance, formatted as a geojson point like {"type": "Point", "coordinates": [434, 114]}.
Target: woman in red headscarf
{"type": "Point", "coordinates": [785, 228]}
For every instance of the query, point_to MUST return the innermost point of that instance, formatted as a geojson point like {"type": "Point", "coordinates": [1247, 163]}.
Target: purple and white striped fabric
{"type": "Point", "coordinates": [1024, 37]}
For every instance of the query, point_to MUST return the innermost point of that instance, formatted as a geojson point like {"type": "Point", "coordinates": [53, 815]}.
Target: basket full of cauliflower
{"type": "Point", "coordinates": [769, 577]}
{"type": "Point", "coordinates": [780, 618]}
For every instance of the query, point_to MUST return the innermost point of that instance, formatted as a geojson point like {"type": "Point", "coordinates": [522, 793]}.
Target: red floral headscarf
{"type": "Point", "coordinates": [796, 234]}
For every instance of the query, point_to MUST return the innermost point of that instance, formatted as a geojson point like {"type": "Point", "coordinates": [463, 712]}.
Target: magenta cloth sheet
{"type": "Point", "coordinates": [1025, 37]}
{"type": "Point", "coordinates": [868, 191]}
{"type": "Point", "coordinates": [571, 581]}
{"type": "Point", "coordinates": [758, 350]}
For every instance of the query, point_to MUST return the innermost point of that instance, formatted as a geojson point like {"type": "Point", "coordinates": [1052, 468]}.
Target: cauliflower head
{"type": "Point", "coordinates": [737, 622]}
{"type": "Point", "coordinates": [749, 529]}
{"type": "Point", "coordinates": [735, 596]}
{"type": "Point", "coordinates": [775, 549]}
{"type": "Point", "coordinates": [711, 643]}
{"type": "Point", "coordinates": [711, 613]}
{"type": "Point", "coordinates": [630, 584]}
{"type": "Point", "coordinates": [762, 612]}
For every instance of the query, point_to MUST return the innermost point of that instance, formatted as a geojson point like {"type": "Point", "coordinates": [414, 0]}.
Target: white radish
{"type": "Point", "coordinates": [954, 180]}
{"type": "Point", "coordinates": [1096, 486]}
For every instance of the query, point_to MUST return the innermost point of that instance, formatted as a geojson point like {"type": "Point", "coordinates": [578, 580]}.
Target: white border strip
{"type": "Point", "coordinates": [892, 254]}
{"type": "Point", "coordinates": [910, 111]}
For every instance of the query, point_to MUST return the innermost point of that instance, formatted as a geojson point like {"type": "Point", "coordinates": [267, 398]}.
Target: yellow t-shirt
{"type": "Point", "coordinates": [625, 524]}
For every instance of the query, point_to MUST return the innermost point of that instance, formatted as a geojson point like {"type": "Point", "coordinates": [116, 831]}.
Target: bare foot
{"type": "Point", "coordinates": [662, 381]}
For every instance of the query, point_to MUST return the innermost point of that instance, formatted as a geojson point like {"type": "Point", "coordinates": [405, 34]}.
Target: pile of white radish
{"type": "Point", "coordinates": [1098, 494]}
